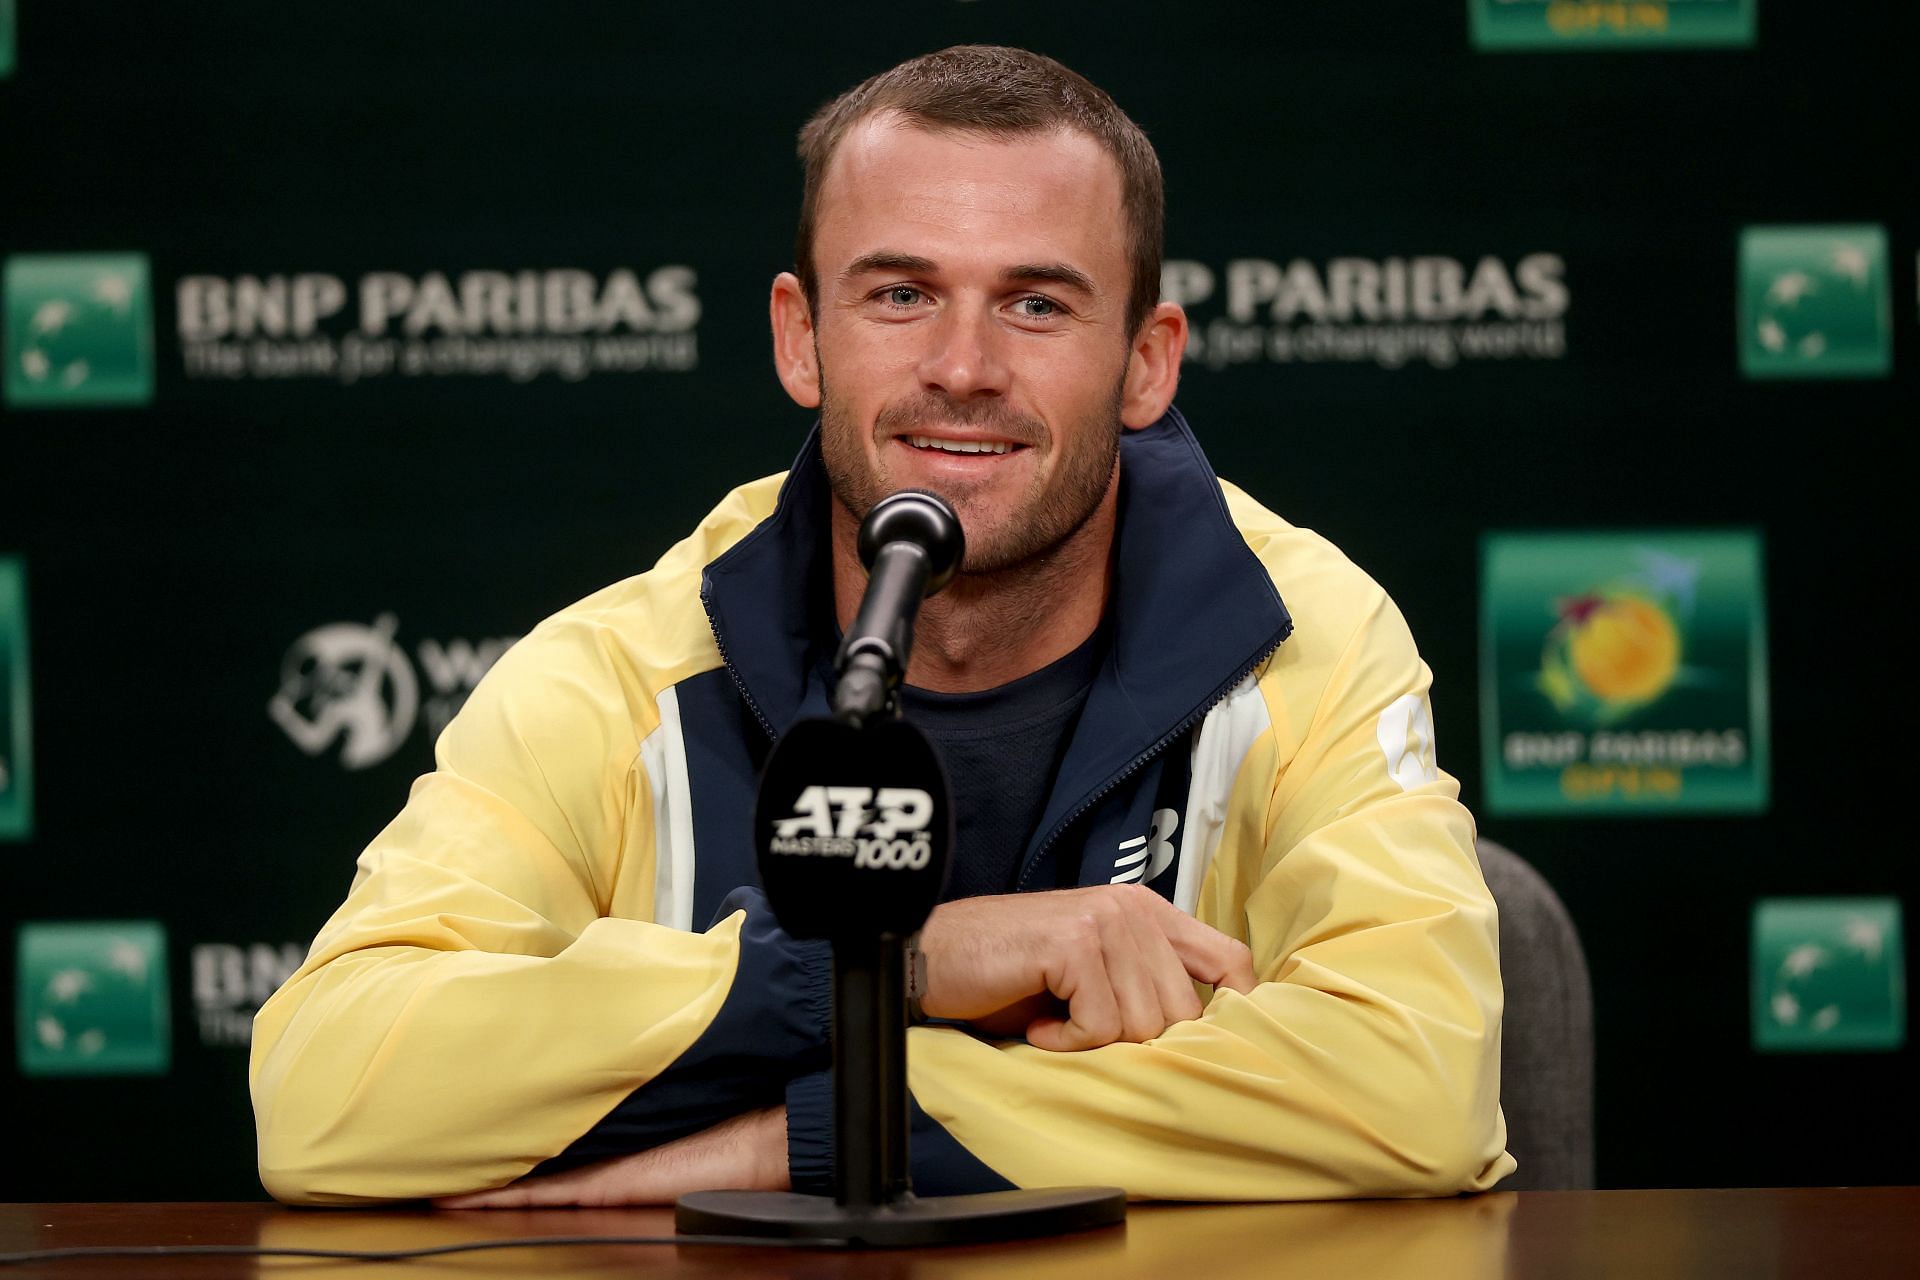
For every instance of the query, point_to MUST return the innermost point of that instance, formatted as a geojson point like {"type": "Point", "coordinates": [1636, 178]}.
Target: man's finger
{"type": "Point", "coordinates": [609, 1182]}
{"type": "Point", "coordinates": [1172, 984]}
{"type": "Point", "coordinates": [1130, 970]}
{"type": "Point", "coordinates": [1209, 955]}
{"type": "Point", "coordinates": [1093, 1013]}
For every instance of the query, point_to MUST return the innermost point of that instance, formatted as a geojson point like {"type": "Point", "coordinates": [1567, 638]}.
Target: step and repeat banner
{"type": "Point", "coordinates": [344, 342]}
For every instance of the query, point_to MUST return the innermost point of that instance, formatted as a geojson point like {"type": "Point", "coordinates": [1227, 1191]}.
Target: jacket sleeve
{"type": "Point", "coordinates": [473, 1008]}
{"type": "Point", "coordinates": [1366, 1063]}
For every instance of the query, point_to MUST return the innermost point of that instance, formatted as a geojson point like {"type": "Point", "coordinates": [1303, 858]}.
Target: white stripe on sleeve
{"type": "Point", "coordinates": [664, 753]}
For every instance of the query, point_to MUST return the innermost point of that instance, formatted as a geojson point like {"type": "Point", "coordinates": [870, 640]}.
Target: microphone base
{"type": "Point", "coordinates": [909, 1222]}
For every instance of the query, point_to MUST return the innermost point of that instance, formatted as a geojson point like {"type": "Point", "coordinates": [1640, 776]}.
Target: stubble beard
{"type": "Point", "coordinates": [1039, 523]}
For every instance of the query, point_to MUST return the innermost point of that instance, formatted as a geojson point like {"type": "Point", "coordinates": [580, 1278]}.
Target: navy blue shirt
{"type": "Point", "coordinates": [1002, 748]}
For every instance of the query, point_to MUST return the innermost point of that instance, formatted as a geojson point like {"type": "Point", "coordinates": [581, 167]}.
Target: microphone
{"type": "Point", "coordinates": [853, 826]}
{"type": "Point", "coordinates": [912, 545]}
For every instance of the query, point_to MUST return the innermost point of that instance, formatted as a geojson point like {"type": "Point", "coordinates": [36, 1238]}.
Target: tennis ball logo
{"type": "Point", "coordinates": [1626, 650]}
{"type": "Point", "coordinates": [1611, 652]}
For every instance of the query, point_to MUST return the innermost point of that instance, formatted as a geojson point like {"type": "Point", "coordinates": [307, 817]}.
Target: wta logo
{"type": "Point", "coordinates": [352, 684]}
{"type": "Point", "coordinates": [882, 830]}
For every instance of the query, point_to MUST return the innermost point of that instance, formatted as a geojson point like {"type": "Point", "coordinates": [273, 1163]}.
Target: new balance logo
{"type": "Point", "coordinates": [1145, 857]}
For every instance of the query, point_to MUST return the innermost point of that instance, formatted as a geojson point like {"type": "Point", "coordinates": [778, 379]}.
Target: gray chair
{"type": "Point", "coordinates": [1546, 1047]}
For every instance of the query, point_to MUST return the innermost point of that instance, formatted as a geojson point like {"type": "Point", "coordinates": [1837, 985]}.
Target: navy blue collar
{"type": "Point", "coordinates": [1193, 611]}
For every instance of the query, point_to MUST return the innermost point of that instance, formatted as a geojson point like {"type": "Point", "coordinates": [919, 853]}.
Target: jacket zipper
{"type": "Point", "coordinates": [706, 604]}
{"type": "Point", "coordinates": [1106, 788]}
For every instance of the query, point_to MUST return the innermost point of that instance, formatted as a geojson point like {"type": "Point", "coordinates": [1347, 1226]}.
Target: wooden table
{"type": "Point", "coordinates": [1826, 1232]}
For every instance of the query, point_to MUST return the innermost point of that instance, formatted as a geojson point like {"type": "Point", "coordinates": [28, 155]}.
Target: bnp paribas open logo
{"type": "Point", "coordinates": [92, 999]}
{"type": "Point", "coordinates": [79, 330]}
{"type": "Point", "coordinates": [1610, 24]}
{"type": "Point", "coordinates": [16, 714]}
{"type": "Point", "coordinates": [1828, 974]}
{"type": "Point", "coordinates": [1624, 673]}
{"type": "Point", "coordinates": [1815, 302]}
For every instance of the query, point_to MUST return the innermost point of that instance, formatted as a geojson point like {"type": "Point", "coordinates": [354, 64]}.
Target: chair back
{"type": "Point", "coordinates": [1546, 1045]}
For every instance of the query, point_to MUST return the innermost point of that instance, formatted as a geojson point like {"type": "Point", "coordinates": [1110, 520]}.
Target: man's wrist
{"type": "Point", "coordinates": [770, 1150]}
{"type": "Point", "coordinates": [916, 981]}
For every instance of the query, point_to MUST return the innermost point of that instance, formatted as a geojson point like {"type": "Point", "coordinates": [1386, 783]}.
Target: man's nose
{"type": "Point", "coordinates": [964, 357]}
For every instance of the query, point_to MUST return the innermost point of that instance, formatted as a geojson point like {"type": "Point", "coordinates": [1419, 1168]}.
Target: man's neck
{"type": "Point", "coordinates": [985, 630]}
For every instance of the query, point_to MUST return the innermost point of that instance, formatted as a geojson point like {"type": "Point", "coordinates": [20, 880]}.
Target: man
{"type": "Point", "coordinates": [555, 981]}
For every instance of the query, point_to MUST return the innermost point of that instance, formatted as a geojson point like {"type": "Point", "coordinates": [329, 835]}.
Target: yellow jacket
{"type": "Point", "coordinates": [557, 949]}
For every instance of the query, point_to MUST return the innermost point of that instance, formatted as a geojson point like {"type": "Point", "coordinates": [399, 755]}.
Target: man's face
{"type": "Point", "coordinates": [971, 328]}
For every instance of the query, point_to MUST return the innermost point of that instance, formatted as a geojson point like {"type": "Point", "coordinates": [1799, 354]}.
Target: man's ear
{"type": "Point", "coordinates": [1153, 367]}
{"type": "Point", "coordinates": [795, 357]}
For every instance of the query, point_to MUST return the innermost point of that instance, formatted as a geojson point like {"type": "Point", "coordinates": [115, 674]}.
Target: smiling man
{"type": "Point", "coordinates": [1215, 928]}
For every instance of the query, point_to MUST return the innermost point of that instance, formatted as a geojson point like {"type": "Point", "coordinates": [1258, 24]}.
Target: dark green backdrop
{"type": "Point", "coordinates": [176, 551]}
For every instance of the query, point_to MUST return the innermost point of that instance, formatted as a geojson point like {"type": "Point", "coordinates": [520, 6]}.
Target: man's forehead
{"type": "Point", "coordinates": [1060, 184]}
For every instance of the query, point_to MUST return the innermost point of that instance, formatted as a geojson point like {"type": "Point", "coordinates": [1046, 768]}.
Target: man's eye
{"type": "Point", "coordinates": [901, 295]}
{"type": "Point", "coordinates": [1036, 307]}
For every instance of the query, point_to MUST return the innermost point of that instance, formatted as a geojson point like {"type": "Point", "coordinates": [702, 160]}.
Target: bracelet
{"type": "Point", "coordinates": [916, 981]}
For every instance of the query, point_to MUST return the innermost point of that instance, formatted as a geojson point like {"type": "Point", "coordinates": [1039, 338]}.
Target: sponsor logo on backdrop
{"type": "Point", "coordinates": [1610, 24]}
{"type": "Point", "coordinates": [231, 982]}
{"type": "Point", "coordinates": [16, 711]}
{"type": "Point", "coordinates": [1815, 302]}
{"type": "Point", "coordinates": [1828, 973]}
{"type": "Point", "coordinates": [1623, 673]}
{"type": "Point", "coordinates": [92, 999]}
{"type": "Point", "coordinates": [352, 687]}
{"type": "Point", "coordinates": [1385, 312]}
{"type": "Point", "coordinates": [79, 330]}
{"type": "Point", "coordinates": [518, 325]}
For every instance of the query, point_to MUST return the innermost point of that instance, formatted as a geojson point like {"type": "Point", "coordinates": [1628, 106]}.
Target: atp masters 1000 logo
{"type": "Point", "coordinates": [1623, 672]}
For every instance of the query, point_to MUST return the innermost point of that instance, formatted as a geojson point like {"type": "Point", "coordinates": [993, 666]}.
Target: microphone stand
{"type": "Point", "coordinates": [868, 906]}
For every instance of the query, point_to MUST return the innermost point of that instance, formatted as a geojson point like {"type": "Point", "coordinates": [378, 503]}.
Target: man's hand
{"type": "Point", "coordinates": [748, 1152]}
{"type": "Point", "coordinates": [1121, 957]}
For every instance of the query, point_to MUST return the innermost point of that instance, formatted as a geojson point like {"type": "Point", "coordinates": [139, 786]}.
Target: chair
{"type": "Point", "coordinates": [1546, 1047]}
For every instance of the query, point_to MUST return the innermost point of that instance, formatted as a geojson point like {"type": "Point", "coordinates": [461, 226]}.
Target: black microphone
{"type": "Point", "coordinates": [912, 545]}
{"type": "Point", "coordinates": [854, 828]}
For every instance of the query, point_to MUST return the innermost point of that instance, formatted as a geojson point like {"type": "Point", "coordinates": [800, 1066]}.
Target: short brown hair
{"type": "Point", "coordinates": [1000, 92]}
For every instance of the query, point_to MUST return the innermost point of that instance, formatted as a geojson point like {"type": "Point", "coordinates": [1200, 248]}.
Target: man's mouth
{"type": "Point", "coordinates": [961, 446]}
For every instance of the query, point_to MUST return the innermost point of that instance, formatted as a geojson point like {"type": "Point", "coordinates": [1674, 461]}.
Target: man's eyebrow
{"type": "Point", "coordinates": [1050, 273]}
{"type": "Point", "coordinates": [888, 260]}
